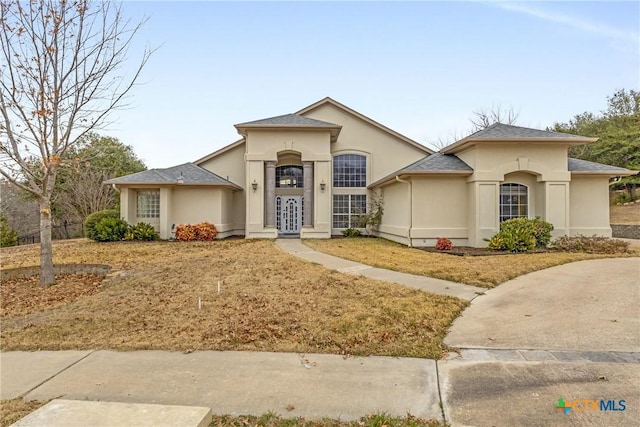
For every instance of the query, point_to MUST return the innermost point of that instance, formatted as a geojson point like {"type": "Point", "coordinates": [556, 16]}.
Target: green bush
{"type": "Point", "coordinates": [110, 230]}
{"type": "Point", "coordinates": [590, 245]}
{"type": "Point", "coordinates": [8, 236]}
{"type": "Point", "coordinates": [94, 218]}
{"type": "Point", "coordinates": [351, 232]}
{"type": "Point", "coordinates": [141, 231]}
{"type": "Point", "coordinates": [542, 232]}
{"type": "Point", "coordinates": [522, 235]}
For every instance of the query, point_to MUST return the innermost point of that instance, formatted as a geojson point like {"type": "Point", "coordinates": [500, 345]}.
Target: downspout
{"type": "Point", "coordinates": [115, 187]}
{"type": "Point", "coordinates": [410, 209]}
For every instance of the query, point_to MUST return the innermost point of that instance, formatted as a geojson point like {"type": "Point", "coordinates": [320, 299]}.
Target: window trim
{"type": "Point", "coordinates": [349, 214]}
{"type": "Point", "coordinates": [363, 155]}
{"type": "Point", "coordinates": [150, 207]}
{"type": "Point", "coordinates": [299, 183]}
{"type": "Point", "coordinates": [500, 205]}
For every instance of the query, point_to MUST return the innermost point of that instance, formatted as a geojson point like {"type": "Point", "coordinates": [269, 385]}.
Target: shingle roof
{"type": "Point", "coordinates": [187, 174]}
{"type": "Point", "coordinates": [500, 132]}
{"type": "Point", "coordinates": [289, 120]}
{"type": "Point", "coordinates": [578, 165]}
{"type": "Point", "coordinates": [437, 162]}
{"type": "Point", "coordinates": [504, 131]}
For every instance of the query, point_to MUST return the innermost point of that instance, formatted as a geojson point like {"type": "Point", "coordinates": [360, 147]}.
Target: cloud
{"type": "Point", "coordinates": [619, 37]}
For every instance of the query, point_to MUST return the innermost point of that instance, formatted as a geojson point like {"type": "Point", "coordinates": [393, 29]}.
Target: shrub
{"type": "Point", "coordinates": [351, 232]}
{"type": "Point", "coordinates": [8, 236]}
{"type": "Point", "coordinates": [110, 230]}
{"type": "Point", "coordinates": [542, 232]}
{"type": "Point", "coordinates": [94, 218]}
{"type": "Point", "coordinates": [521, 235]}
{"type": "Point", "coordinates": [201, 232]}
{"type": "Point", "coordinates": [443, 244]}
{"type": "Point", "coordinates": [590, 245]}
{"type": "Point", "coordinates": [141, 231]}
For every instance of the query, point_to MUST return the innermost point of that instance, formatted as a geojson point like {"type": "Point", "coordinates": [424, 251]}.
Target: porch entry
{"type": "Point", "coordinates": [289, 211]}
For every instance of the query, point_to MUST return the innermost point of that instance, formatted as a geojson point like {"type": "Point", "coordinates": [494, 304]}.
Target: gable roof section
{"type": "Point", "coordinates": [328, 100]}
{"type": "Point", "coordinates": [290, 121]}
{"type": "Point", "coordinates": [584, 167]}
{"type": "Point", "coordinates": [500, 132]}
{"type": "Point", "coordinates": [224, 149]}
{"type": "Point", "coordinates": [184, 174]}
{"type": "Point", "coordinates": [435, 164]}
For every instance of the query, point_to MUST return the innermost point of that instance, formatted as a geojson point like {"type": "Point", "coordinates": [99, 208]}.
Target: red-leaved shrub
{"type": "Point", "coordinates": [204, 232]}
{"type": "Point", "coordinates": [443, 244]}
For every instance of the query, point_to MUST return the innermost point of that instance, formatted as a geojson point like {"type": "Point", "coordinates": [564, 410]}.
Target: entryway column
{"type": "Point", "coordinates": [307, 173]}
{"type": "Point", "coordinates": [270, 194]}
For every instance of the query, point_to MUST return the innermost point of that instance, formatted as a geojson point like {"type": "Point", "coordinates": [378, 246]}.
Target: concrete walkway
{"type": "Point", "coordinates": [427, 284]}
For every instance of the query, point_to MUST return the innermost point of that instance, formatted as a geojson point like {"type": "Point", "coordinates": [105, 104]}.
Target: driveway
{"type": "Point", "coordinates": [587, 305]}
{"type": "Point", "coordinates": [570, 332]}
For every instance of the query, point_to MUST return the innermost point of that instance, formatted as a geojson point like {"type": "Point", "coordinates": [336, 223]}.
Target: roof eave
{"type": "Point", "coordinates": [333, 130]}
{"type": "Point", "coordinates": [175, 184]}
{"type": "Point", "coordinates": [392, 178]}
{"type": "Point", "coordinates": [456, 147]}
{"type": "Point", "coordinates": [606, 173]}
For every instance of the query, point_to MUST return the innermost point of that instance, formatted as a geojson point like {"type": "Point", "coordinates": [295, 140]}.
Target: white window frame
{"type": "Point", "coordinates": [500, 204]}
{"type": "Point", "coordinates": [350, 212]}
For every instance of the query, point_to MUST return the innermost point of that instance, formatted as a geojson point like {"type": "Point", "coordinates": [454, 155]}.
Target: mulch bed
{"type": "Point", "coordinates": [469, 251]}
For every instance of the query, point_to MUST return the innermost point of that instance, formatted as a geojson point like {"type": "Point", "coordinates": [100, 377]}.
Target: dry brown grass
{"type": "Point", "coordinates": [484, 271]}
{"type": "Point", "coordinates": [15, 409]}
{"type": "Point", "coordinates": [629, 214]}
{"type": "Point", "coordinates": [269, 301]}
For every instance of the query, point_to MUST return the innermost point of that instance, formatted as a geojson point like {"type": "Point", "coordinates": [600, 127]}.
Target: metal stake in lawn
{"type": "Point", "coordinates": [199, 303]}
{"type": "Point", "coordinates": [218, 286]}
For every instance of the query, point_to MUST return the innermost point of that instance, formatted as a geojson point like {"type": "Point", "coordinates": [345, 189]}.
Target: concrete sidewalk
{"type": "Point", "coordinates": [427, 284]}
{"type": "Point", "coordinates": [235, 383]}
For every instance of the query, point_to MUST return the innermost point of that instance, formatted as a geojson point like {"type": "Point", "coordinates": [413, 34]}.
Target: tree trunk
{"type": "Point", "coordinates": [46, 252]}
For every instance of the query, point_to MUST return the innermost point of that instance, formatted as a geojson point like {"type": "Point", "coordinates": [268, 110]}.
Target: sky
{"type": "Point", "coordinates": [421, 68]}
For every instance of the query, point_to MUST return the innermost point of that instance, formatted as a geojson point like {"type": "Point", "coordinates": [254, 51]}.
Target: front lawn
{"type": "Point", "coordinates": [484, 271]}
{"type": "Point", "coordinates": [166, 298]}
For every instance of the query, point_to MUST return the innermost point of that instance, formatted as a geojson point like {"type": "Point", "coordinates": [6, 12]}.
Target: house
{"type": "Point", "coordinates": [312, 173]}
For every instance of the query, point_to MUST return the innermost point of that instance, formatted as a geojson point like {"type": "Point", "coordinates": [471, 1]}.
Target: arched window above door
{"type": "Point", "coordinates": [289, 176]}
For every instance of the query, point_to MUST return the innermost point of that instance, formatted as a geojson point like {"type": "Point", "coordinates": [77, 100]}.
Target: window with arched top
{"type": "Point", "coordinates": [349, 170]}
{"type": "Point", "coordinates": [289, 176]}
{"type": "Point", "coordinates": [514, 201]}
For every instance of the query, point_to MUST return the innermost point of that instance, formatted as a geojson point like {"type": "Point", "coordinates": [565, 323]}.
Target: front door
{"type": "Point", "coordinates": [289, 214]}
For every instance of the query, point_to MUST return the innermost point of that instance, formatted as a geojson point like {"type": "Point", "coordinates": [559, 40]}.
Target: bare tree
{"type": "Point", "coordinates": [484, 117]}
{"type": "Point", "coordinates": [481, 119]}
{"type": "Point", "coordinates": [61, 75]}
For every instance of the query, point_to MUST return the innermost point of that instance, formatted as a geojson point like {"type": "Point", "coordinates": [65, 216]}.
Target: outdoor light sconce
{"type": "Point", "coordinates": [323, 185]}
{"type": "Point", "coordinates": [254, 185]}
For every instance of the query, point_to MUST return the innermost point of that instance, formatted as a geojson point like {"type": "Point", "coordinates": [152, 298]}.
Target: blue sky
{"type": "Point", "coordinates": [420, 68]}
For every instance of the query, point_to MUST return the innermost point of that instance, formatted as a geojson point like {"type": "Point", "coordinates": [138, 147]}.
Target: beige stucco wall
{"type": "Point", "coordinates": [231, 165]}
{"type": "Point", "coordinates": [491, 161]}
{"type": "Point", "coordinates": [589, 201]}
{"type": "Point", "coordinates": [542, 167]}
{"type": "Point", "coordinates": [386, 153]}
{"type": "Point", "coordinates": [184, 205]}
{"type": "Point", "coordinates": [396, 212]}
{"type": "Point", "coordinates": [439, 209]}
{"type": "Point", "coordinates": [266, 145]}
